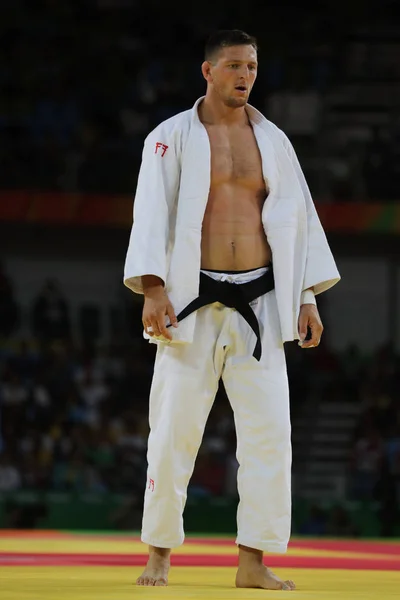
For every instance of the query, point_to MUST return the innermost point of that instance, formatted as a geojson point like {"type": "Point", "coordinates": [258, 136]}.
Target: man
{"type": "Point", "coordinates": [221, 197]}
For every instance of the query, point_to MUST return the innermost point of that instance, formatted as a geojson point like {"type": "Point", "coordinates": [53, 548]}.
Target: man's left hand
{"type": "Point", "coordinates": [309, 317]}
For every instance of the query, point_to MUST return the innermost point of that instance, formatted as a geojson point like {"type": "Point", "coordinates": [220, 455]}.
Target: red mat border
{"type": "Point", "coordinates": [195, 560]}
{"type": "Point", "coordinates": [337, 545]}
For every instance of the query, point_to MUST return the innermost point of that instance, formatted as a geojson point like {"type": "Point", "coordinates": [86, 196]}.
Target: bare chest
{"type": "Point", "coordinates": [235, 157]}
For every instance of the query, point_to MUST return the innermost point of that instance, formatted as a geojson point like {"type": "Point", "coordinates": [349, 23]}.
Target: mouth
{"type": "Point", "coordinates": [241, 88]}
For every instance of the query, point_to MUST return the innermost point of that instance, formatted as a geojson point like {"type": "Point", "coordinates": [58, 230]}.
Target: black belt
{"type": "Point", "coordinates": [233, 295]}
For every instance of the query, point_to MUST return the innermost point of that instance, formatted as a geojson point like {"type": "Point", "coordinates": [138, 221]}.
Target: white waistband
{"type": "Point", "coordinates": [236, 277]}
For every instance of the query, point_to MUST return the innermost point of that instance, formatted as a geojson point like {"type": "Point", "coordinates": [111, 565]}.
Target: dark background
{"type": "Point", "coordinates": [81, 85]}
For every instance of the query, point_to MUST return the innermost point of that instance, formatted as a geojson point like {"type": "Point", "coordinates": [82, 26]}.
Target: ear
{"type": "Point", "coordinates": [206, 71]}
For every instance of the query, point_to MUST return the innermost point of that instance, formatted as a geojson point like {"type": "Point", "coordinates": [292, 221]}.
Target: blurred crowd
{"type": "Point", "coordinates": [74, 413]}
{"type": "Point", "coordinates": [375, 456]}
{"type": "Point", "coordinates": [82, 83]}
{"type": "Point", "coordinates": [371, 384]}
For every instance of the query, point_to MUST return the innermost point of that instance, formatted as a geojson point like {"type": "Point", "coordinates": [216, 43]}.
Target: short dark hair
{"type": "Point", "coordinates": [224, 38]}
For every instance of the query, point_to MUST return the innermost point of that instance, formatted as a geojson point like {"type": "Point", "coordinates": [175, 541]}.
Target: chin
{"type": "Point", "coordinates": [236, 102]}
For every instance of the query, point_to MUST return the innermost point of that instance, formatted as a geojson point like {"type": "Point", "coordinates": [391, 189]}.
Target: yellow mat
{"type": "Point", "coordinates": [24, 581]}
{"type": "Point", "coordinates": [117, 583]}
{"type": "Point", "coordinates": [127, 546]}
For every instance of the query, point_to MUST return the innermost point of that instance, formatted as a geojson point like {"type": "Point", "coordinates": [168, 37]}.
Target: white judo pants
{"type": "Point", "coordinates": [183, 389]}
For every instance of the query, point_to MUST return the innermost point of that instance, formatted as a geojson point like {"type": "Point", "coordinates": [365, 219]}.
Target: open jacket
{"type": "Point", "coordinates": [170, 201]}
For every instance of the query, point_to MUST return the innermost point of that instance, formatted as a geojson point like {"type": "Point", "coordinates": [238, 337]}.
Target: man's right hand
{"type": "Point", "coordinates": [156, 307]}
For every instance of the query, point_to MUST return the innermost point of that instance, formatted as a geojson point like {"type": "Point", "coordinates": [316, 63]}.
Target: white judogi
{"type": "Point", "coordinates": [170, 202]}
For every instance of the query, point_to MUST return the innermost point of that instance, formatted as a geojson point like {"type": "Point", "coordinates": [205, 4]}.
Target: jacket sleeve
{"type": "Point", "coordinates": [155, 196]}
{"type": "Point", "coordinates": [321, 272]}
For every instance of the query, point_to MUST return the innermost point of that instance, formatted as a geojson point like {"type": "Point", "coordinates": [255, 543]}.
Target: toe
{"type": "Point", "coordinates": [286, 586]}
{"type": "Point", "coordinates": [139, 581]}
{"type": "Point", "coordinates": [161, 582]}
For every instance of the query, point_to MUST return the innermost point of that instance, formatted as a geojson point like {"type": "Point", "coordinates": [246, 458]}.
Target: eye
{"type": "Point", "coordinates": [252, 67]}
{"type": "Point", "coordinates": [234, 66]}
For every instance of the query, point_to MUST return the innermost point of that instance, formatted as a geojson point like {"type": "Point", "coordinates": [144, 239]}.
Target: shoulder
{"type": "Point", "coordinates": [173, 128]}
{"type": "Point", "coordinates": [279, 133]}
{"type": "Point", "coordinates": [276, 135]}
{"type": "Point", "coordinates": [280, 137]}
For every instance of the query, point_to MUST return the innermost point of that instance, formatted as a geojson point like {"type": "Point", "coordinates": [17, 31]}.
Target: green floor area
{"type": "Point", "coordinates": [212, 516]}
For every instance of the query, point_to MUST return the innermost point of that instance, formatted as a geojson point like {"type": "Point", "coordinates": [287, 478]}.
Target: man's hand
{"type": "Point", "coordinates": [156, 307]}
{"type": "Point", "coordinates": [309, 317]}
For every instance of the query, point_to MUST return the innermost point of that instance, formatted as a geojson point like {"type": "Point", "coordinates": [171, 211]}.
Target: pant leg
{"type": "Point", "coordinates": [259, 395]}
{"type": "Point", "coordinates": [183, 389]}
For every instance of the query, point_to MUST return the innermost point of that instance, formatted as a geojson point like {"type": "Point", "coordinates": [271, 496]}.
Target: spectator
{"type": "Point", "coordinates": [387, 494]}
{"type": "Point", "coordinates": [9, 311]}
{"type": "Point", "coordinates": [367, 461]}
{"type": "Point", "coordinates": [51, 314]}
{"type": "Point", "coordinates": [10, 477]}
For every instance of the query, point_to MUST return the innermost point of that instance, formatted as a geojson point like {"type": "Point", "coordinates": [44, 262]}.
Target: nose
{"type": "Point", "coordinates": [245, 73]}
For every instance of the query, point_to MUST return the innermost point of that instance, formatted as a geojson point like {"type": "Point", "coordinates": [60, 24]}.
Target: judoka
{"type": "Point", "coordinates": [229, 252]}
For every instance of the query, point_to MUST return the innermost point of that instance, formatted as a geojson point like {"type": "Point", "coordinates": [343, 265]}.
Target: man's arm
{"type": "Point", "coordinates": [308, 297]}
{"type": "Point", "coordinates": [156, 307]}
{"type": "Point", "coordinates": [156, 193]}
{"type": "Point", "coordinates": [310, 324]}
{"type": "Point", "coordinates": [321, 272]}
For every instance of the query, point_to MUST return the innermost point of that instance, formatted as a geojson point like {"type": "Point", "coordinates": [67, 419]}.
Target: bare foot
{"type": "Point", "coordinates": [157, 568]}
{"type": "Point", "coordinates": [252, 573]}
{"type": "Point", "coordinates": [261, 577]}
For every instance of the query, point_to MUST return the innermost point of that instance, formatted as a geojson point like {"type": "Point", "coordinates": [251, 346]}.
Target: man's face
{"type": "Point", "coordinates": [232, 74]}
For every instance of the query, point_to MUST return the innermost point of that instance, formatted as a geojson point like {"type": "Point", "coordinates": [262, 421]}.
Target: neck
{"type": "Point", "coordinates": [213, 112]}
